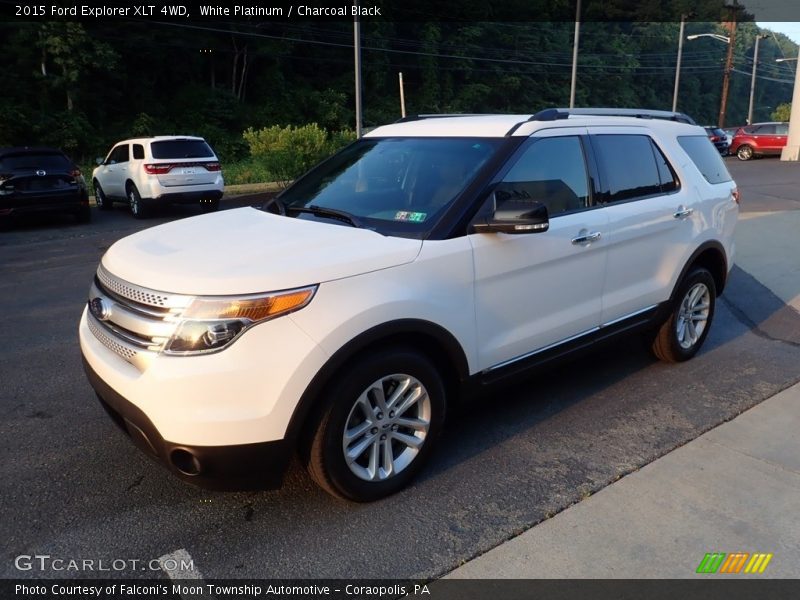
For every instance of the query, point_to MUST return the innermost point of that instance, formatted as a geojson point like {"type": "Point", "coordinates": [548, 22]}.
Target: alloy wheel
{"type": "Point", "coordinates": [387, 426]}
{"type": "Point", "coordinates": [693, 315]}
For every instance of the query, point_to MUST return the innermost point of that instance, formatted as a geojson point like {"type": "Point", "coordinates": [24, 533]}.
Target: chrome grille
{"type": "Point", "coordinates": [134, 293]}
{"type": "Point", "coordinates": [137, 322]}
{"type": "Point", "coordinates": [127, 353]}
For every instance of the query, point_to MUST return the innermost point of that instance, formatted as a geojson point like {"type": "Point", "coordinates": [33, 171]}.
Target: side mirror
{"type": "Point", "coordinates": [98, 161]}
{"type": "Point", "coordinates": [534, 220]}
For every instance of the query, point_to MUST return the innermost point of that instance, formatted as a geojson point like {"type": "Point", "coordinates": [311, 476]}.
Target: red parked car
{"type": "Point", "coordinates": [759, 139]}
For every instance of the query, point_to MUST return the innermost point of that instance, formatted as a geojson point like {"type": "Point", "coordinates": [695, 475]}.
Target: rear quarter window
{"type": "Point", "coordinates": [181, 149]}
{"type": "Point", "coordinates": [705, 157]}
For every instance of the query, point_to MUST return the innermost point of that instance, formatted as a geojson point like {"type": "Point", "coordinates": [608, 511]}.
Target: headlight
{"type": "Point", "coordinates": [211, 323]}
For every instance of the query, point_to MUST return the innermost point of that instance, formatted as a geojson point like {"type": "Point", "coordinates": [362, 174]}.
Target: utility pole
{"type": "Point", "coordinates": [678, 68]}
{"type": "Point", "coordinates": [575, 55]}
{"type": "Point", "coordinates": [726, 80]}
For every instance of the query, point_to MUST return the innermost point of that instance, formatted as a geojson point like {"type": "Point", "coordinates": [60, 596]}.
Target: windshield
{"type": "Point", "coordinates": [396, 186]}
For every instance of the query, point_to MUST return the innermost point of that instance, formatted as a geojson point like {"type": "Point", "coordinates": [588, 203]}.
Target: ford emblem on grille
{"type": "Point", "coordinates": [99, 309]}
{"type": "Point", "coordinates": [41, 173]}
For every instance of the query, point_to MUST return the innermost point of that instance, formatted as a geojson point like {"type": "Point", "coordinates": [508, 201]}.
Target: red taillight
{"type": "Point", "coordinates": [157, 169]}
{"type": "Point", "coordinates": [735, 194]}
{"type": "Point", "coordinates": [213, 166]}
{"type": "Point", "coordinates": [76, 173]}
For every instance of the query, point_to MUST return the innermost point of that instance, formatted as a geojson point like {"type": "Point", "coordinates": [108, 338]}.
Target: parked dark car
{"type": "Point", "coordinates": [37, 180]}
{"type": "Point", "coordinates": [760, 139]}
{"type": "Point", "coordinates": [718, 138]}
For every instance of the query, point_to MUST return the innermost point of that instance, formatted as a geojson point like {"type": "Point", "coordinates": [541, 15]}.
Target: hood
{"type": "Point", "coordinates": [246, 250]}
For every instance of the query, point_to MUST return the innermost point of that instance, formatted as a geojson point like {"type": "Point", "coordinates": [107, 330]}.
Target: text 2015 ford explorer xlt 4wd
{"type": "Point", "coordinates": [433, 254]}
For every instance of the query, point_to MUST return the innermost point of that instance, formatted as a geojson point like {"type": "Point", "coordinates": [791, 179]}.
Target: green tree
{"type": "Point", "coordinates": [74, 53]}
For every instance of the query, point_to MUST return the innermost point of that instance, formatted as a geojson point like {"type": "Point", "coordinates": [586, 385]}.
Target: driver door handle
{"type": "Point", "coordinates": [683, 212]}
{"type": "Point", "coordinates": [586, 239]}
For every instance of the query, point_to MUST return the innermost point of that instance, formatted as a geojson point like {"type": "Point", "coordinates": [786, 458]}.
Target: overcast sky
{"type": "Point", "coordinates": [790, 29]}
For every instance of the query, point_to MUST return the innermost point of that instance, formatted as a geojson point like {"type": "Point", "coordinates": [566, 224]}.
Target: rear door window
{"type": "Point", "coordinates": [629, 168]}
{"type": "Point", "coordinates": [705, 157]}
{"type": "Point", "coordinates": [181, 149]}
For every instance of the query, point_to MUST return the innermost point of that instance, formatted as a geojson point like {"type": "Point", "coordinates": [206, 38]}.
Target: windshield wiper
{"type": "Point", "coordinates": [331, 213]}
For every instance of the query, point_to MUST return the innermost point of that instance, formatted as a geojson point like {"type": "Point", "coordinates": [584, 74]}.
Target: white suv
{"type": "Point", "coordinates": [432, 256]}
{"type": "Point", "coordinates": [146, 172]}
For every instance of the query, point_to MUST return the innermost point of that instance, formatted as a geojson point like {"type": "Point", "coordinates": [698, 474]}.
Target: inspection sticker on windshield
{"type": "Point", "coordinates": [414, 217]}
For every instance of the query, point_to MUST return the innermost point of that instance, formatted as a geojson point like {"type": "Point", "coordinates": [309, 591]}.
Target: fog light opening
{"type": "Point", "coordinates": [185, 461]}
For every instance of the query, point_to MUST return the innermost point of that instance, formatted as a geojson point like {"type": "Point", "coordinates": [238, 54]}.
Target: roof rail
{"type": "Point", "coordinates": [551, 114]}
{"type": "Point", "coordinates": [438, 116]}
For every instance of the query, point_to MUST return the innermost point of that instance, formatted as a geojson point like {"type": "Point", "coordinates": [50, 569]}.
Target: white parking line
{"type": "Point", "coordinates": [179, 566]}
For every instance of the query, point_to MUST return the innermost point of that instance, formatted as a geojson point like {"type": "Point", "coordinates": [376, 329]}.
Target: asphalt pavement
{"type": "Point", "coordinates": [74, 487]}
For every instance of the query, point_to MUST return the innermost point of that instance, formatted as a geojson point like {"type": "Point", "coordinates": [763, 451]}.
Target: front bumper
{"type": "Point", "coordinates": [237, 467]}
{"type": "Point", "coordinates": [225, 414]}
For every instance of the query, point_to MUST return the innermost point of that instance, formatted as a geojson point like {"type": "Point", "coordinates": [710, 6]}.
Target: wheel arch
{"type": "Point", "coordinates": [710, 255]}
{"type": "Point", "coordinates": [430, 339]}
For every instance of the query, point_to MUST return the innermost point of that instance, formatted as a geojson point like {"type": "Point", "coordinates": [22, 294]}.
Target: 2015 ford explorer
{"type": "Point", "coordinates": [342, 319]}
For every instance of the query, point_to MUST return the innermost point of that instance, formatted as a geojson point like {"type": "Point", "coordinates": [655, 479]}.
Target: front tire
{"type": "Point", "coordinates": [379, 427]}
{"type": "Point", "coordinates": [100, 198]}
{"type": "Point", "coordinates": [683, 333]}
{"type": "Point", "coordinates": [138, 208]}
{"type": "Point", "coordinates": [744, 152]}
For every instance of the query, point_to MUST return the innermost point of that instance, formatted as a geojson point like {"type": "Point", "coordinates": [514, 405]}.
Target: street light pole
{"type": "Point", "coordinates": [575, 55]}
{"type": "Point", "coordinates": [753, 79]}
{"type": "Point", "coordinates": [678, 68]}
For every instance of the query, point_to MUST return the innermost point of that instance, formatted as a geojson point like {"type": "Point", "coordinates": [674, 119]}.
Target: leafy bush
{"type": "Point", "coordinates": [288, 152]}
{"type": "Point", "coordinates": [782, 112]}
{"type": "Point", "coordinates": [246, 171]}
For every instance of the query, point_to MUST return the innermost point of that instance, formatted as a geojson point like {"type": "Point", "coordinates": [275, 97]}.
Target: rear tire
{"type": "Point", "coordinates": [680, 337]}
{"type": "Point", "coordinates": [138, 208]}
{"type": "Point", "coordinates": [379, 425]}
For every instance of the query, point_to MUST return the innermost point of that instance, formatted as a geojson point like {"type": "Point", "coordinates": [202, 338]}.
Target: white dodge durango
{"type": "Point", "coordinates": [432, 256]}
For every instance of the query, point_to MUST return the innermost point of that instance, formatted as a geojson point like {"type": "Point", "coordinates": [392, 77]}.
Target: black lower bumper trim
{"type": "Point", "coordinates": [188, 197]}
{"type": "Point", "coordinates": [258, 466]}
